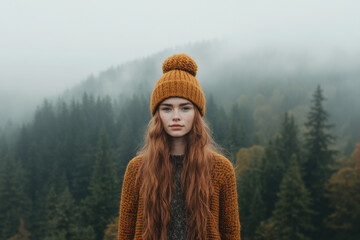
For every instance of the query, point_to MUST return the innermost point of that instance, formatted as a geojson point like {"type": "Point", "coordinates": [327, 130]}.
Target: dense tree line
{"type": "Point", "coordinates": [265, 81]}
{"type": "Point", "coordinates": [291, 188]}
{"type": "Point", "coordinates": [61, 177]}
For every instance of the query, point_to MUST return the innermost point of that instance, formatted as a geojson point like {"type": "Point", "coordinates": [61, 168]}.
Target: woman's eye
{"type": "Point", "coordinates": [186, 108]}
{"type": "Point", "coordinates": [166, 109]}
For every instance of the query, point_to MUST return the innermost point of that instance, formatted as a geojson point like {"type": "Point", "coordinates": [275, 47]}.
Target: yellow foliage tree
{"type": "Point", "coordinates": [23, 233]}
{"type": "Point", "coordinates": [344, 196]}
{"type": "Point", "coordinates": [111, 230]}
{"type": "Point", "coordinates": [248, 158]}
{"type": "Point", "coordinates": [355, 158]}
{"type": "Point", "coordinates": [248, 175]}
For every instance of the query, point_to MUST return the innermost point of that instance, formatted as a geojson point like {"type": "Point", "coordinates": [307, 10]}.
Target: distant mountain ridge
{"type": "Point", "coordinates": [231, 73]}
{"type": "Point", "coordinates": [228, 72]}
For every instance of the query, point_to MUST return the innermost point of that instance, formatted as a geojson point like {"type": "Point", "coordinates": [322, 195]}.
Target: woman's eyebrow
{"type": "Point", "coordinates": [170, 105]}
{"type": "Point", "coordinates": [183, 104]}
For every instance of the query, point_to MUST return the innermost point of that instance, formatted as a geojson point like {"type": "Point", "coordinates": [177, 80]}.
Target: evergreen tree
{"type": "Point", "coordinates": [319, 158]}
{"type": "Point", "coordinates": [102, 204]}
{"type": "Point", "coordinates": [83, 158]}
{"type": "Point", "coordinates": [257, 207]}
{"type": "Point", "coordinates": [238, 135]}
{"type": "Point", "coordinates": [273, 169]}
{"type": "Point", "coordinates": [245, 117]}
{"type": "Point", "coordinates": [276, 161]}
{"type": "Point", "coordinates": [217, 120]}
{"type": "Point", "coordinates": [131, 125]}
{"type": "Point", "coordinates": [235, 138]}
{"type": "Point", "coordinates": [292, 214]}
{"type": "Point", "coordinates": [14, 203]}
{"type": "Point", "coordinates": [63, 220]}
{"type": "Point", "coordinates": [47, 226]}
{"type": "Point", "coordinates": [105, 116]}
{"type": "Point", "coordinates": [288, 143]}
{"type": "Point", "coordinates": [63, 217]}
{"type": "Point", "coordinates": [3, 147]}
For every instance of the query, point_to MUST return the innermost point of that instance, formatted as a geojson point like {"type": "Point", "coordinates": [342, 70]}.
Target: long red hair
{"type": "Point", "coordinates": [158, 181]}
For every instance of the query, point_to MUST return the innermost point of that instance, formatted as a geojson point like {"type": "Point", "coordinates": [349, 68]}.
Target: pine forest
{"type": "Point", "coordinates": [290, 128]}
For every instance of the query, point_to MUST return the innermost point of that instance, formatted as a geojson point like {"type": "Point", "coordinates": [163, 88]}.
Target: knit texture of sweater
{"type": "Point", "coordinates": [225, 222]}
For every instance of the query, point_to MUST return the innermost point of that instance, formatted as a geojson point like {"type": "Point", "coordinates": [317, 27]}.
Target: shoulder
{"type": "Point", "coordinates": [131, 173]}
{"type": "Point", "coordinates": [222, 167]}
{"type": "Point", "coordinates": [134, 165]}
{"type": "Point", "coordinates": [135, 162]}
{"type": "Point", "coordinates": [221, 163]}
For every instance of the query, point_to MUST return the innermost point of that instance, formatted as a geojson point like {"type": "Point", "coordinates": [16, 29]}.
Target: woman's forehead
{"type": "Point", "coordinates": [176, 100]}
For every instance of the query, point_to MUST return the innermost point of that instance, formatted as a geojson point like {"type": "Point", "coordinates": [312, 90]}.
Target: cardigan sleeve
{"type": "Point", "coordinates": [229, 223]}
{"type": "Point", "coordinates": [128, 203]}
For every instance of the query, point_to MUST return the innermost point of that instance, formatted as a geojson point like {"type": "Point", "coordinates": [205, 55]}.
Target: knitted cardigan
{"type": "Point", "coordinates": [223, 203]}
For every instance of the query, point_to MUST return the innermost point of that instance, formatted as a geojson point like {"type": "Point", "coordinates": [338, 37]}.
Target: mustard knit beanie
{"type": "Point", "coordinates": [178, 80]}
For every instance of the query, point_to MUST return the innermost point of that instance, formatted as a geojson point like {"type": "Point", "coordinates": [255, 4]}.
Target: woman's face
{"type": "Point", "coordinates": [177, 116]}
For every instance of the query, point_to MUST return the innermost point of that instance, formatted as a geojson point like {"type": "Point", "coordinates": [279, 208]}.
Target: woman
{"type": "Point", "coordinates": [178, 187]}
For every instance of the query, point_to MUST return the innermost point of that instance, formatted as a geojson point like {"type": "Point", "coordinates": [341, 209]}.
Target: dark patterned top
{"type": "Point", "coordinates": [177, 228]}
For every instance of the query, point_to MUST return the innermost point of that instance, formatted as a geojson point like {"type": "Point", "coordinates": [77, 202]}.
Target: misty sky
{"type": "Point", "coordinates": [47, 45]}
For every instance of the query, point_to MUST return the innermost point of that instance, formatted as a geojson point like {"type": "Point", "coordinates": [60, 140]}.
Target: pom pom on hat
{"type": "Point", "coordinates": [180, 62]}
{"type": "Point", "coordinates": [178, 80]}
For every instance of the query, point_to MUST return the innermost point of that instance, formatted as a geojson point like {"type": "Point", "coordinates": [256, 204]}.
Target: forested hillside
{"type": "Point", "coordinates": [267, 81]}
{"type": "Point", "coordinates": [289, 124]}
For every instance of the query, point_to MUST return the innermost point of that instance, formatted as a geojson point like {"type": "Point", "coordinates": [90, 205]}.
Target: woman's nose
{"type": "Point", "coordinates": [176, 115]}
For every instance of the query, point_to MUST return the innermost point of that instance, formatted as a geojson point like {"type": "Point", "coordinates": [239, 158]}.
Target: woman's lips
{"type": "Point", "coordinates": [176, 127]}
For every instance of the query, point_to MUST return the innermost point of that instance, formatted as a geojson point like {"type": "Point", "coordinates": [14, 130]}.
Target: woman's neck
{"type": "Point", "coordinates": [178, 146]}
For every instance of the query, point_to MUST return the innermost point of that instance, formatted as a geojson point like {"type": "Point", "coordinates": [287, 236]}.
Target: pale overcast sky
{"type": "Point", "coordinates": [47, 45]}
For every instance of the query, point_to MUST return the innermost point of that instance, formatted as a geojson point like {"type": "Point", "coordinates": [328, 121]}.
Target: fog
{"type": "Point", "coordinates": [48, 46]}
